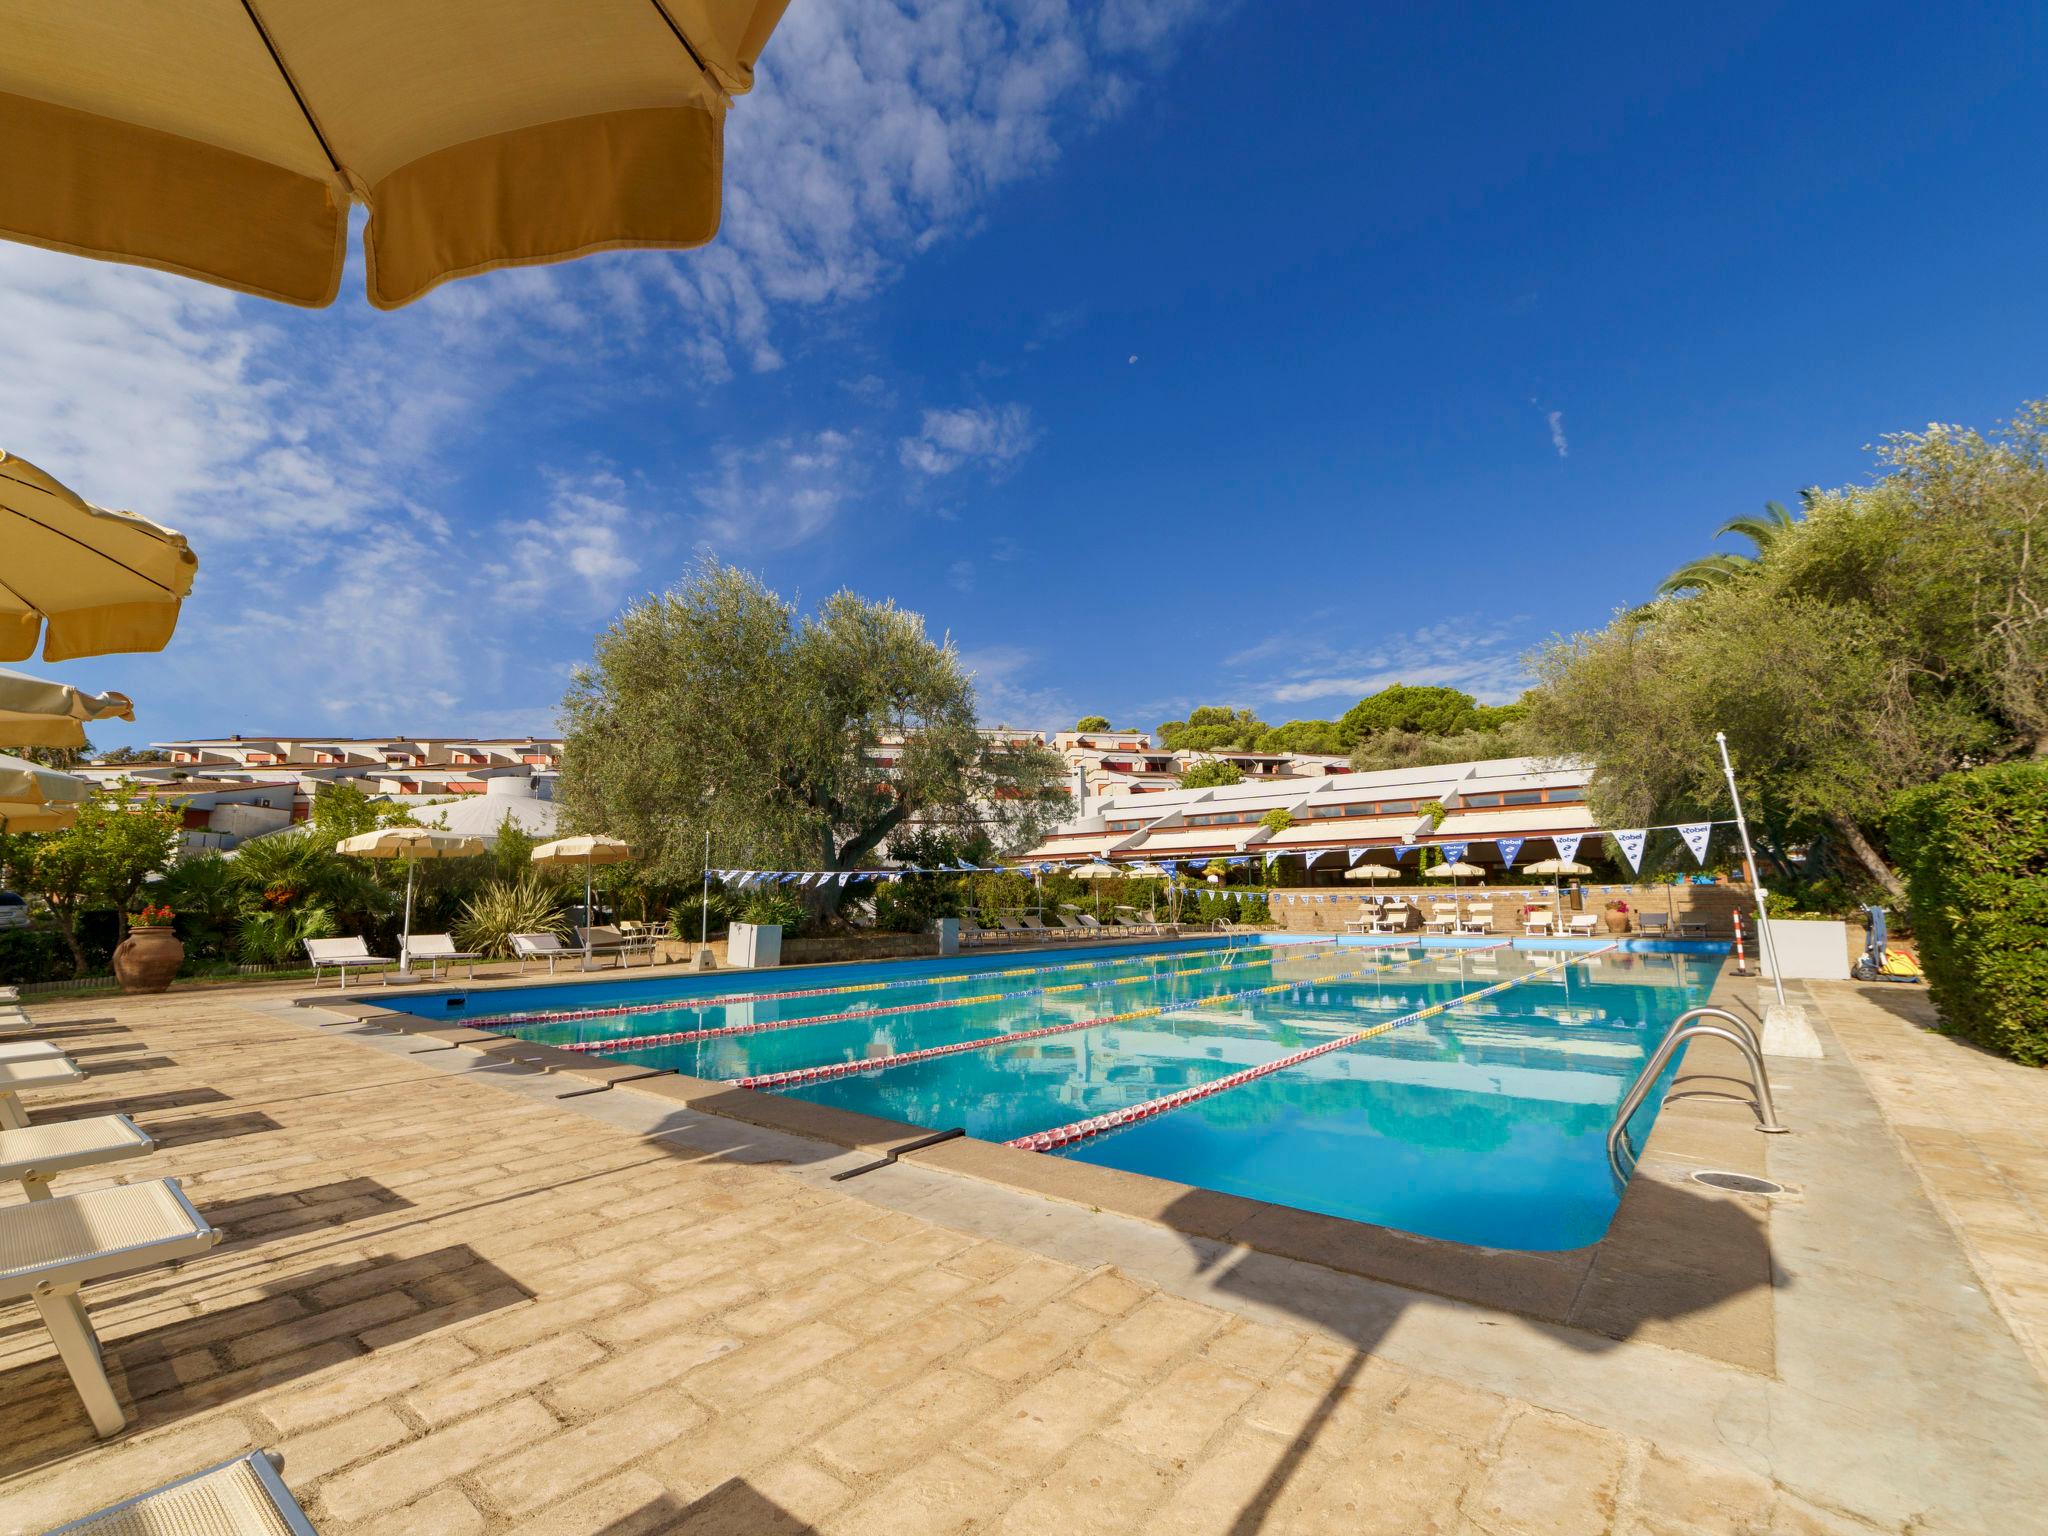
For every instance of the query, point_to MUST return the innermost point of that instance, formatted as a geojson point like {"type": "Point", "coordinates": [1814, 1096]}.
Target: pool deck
{"type": "Point", "coordinates": [459, 1302]}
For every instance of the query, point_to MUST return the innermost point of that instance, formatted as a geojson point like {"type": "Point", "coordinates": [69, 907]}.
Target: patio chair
{"type": "Point", "coordinates": [340, 956]}
{"type": "Point", "coordinates": [35, 1154]}
{"type": "Point", "coordinates": [436, 948]}
{"type": "Point", "coordinates": [35, 1072]}
{"type": "Point", "coordinates": [1587, 923]}
{"type": "Point", "coordinates": [1539, 920]}
{"type": "Point", "coordinates": [49, 1248]}
{"type": "Point", "coordinates": [1089, 921]}
{"type": "Point", "coordinates": [1068, 921]}
{"type": "Point", "coordinates": [243, 1497]}
{"type": "Point", "coordinates": [605, 939]}
{"type": "Point", "coordinates": [542, 946]}
{"type": "Point", "coordinates": [1648, 923]}
{"type": "Point", "coordinates": [1009, 922]}
{"type": "Point", "coordinates": [971, 932]}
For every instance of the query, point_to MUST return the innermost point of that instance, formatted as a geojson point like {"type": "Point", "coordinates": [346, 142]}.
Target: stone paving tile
{"type": "Point", "coordinates": [460, 1310]}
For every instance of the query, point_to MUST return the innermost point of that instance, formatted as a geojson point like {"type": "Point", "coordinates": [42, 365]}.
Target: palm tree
{"type": "Point", "coordinates": [1726, 565]}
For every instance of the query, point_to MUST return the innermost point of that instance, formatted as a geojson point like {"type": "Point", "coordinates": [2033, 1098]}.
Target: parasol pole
{"type": "Point", "coordinates": [405, 944]}
{"type": "Point", "coordinates": [1766, 950]}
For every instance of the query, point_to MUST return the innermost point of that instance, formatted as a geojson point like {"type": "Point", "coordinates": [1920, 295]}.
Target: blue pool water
{"type": "Point", "coordinates": [1485, 1124]}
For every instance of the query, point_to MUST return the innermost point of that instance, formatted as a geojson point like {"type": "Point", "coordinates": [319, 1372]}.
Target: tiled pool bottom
{"type": "Point", "coordinates": [1484, 1123]}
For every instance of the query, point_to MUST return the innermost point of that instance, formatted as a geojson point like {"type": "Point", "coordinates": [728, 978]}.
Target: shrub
{"type": "Point", "coordinates": [776, 907]}
{"type": "Point", "coordinates": [501, 908]}
{"type": "Point", "coordinates": [686, 917]}
{"type": "Point", "coordinates": [1974, 847]}
{"type": "Point", "coordinates": [277, 935]}
{"type": "Point", "coordinates": [913, 905]}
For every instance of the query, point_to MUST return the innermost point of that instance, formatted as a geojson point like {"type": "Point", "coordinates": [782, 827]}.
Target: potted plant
{"type": "Point", "coordinates": [149, 957]}
{"type": "Point", "coordinates": [1617, 916]}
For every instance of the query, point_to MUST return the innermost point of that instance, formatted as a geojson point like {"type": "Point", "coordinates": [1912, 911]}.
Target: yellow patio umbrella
{"type": "Point", "coordinates": [1372, 872]}
{"type": "Point", "coordinates": [1557, 869]}
{"type": "Point", "coordinates": [35, 712]}
{"type": "Point", "coordinates": [410, 844]}
{"type": "Point", "coordinates": [38, 799]}
{"type": "Point", "coordinates": [86, 580]}
{"type": "Point", "coordinates": [588, 850]}
{"type": "Point", "coordinates": [225, 141]}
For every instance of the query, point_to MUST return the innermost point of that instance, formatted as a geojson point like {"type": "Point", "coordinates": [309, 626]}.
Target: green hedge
{"type": "Point", "coordinates": [1974, 847]}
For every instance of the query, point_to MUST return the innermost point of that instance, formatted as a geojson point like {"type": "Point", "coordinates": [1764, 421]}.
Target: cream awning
{"type": "Point", "coordinates": [35, 712]}
{"type": "Point", "coordinates": [225, 139]}
{"type": "Point", "coordinates": [87, 580]}
{"type": "Point", "coordinates": [38, 799]}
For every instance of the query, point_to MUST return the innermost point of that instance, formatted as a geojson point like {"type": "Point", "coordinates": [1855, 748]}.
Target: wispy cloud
{"type": "Point", "coordinates": [777, 493]}
{"type": "Point", "coordinates": [1481, 657]}
{"type": "Point", "coordinates": [577, 555]}
{"type": "Point", "coordinates": [989, 435]}
{"type": "Point", "coordinates": [1557, 438]}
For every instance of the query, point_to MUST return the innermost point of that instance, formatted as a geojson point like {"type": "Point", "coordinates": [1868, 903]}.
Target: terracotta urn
{"type": "Point", "coordinates": [1617, 922]}
{"type": "Point", "coordinates": [147, 959]}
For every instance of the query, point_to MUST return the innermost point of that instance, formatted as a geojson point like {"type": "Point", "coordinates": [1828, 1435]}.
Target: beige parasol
{"type": "Point", "coordinates": [37, 713]}
{"type": "Point", "coordinates": [1557, 869]}
{"type": "Point", "coordinates": [38, 799]}
{"type": "Point", "coordinates": [410, 844]}
{"type": "Point", "coordinates": [225, 141]}
{"type": "Point", "coordinates": [87, 580]}
{"type": "Point", "coordinates": [587, 850]}
{"type": "Point", "coordinates": [1372, 872]}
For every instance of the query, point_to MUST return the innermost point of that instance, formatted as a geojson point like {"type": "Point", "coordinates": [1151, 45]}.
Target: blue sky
{"type": "Point", "coordinates": [1160, 352]}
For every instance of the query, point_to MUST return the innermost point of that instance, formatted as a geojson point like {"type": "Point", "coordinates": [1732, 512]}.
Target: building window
{"type": "Point", "coordinates": [1522, 797]}
{"type": "Point", "coordinates": [1563, 796]}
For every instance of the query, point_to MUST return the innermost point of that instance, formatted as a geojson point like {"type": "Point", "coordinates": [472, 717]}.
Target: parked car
{"type": "Point", "coordinates": [13, 910]}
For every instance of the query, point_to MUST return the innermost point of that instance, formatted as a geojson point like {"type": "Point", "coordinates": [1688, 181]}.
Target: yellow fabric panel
{"type": "Point", "coordinates": [102, 581]}
{"type": "Point", "coordinates": [727, 34]}
{"type": "Point", "coordinates": [93, 186]}
{"type": "Point", "coordinates": [623, 179]}
{"type": "Point", "coordinates": [391, 81]}
{"type": "Point", "coordinates": [192, 68]}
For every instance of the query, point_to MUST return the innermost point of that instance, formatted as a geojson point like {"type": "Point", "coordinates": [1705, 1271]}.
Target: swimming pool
{"type": "Point", "coordinates": [1456, 1091]}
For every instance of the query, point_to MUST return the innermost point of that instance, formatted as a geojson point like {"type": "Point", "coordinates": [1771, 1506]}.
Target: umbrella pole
{"type": "Point", "coordinates": [405, 944]}
{"type": "Point", "coordinates": [588, 915]}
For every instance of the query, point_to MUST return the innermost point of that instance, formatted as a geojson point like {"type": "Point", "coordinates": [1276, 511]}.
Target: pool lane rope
{"type": "Point", "coordinates": [798, 1076]}
{"type": "Point", "coordinates": [1117, 1119]}
{"type": "Point", "coordinates": [697, 1004]}
{"type": "Point", "coordinates": [761, 1026]}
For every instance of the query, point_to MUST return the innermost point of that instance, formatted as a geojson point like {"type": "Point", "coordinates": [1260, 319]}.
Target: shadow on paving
{"type": "Point", "coordinates": [734, 1508]}
{"type": "Point", "coordinates": [1643, 1287]}
{"type": "Point", "coordinates": [197, 1128]}
{"type": "Point", "coordinates": [296, 1325]}
{"type": "Point", "coordinates": [133, 1105]}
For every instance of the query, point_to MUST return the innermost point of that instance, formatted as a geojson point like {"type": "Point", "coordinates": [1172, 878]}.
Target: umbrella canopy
{"type": "Point", "coordinates": [226, 141]}
{"type": "Point", "coordinates": [38, 713]}
{"type": "Point", "coordinates": [38, 799]}
{"type": "Point", "coordinates": [410, 844]}
{"type": "Point", "coordinates": [588, 851]}
{"type": "Point", "coordinates": [87, 580]}
{"type": "Point", "coordinates": [1556, 867]}
{"type": "Point", "coordinates": [1454, 872]}
{"type": "Point", "coordinates": [1096, 872]}
{"type": "Point", "coordinates": [1372, 872]}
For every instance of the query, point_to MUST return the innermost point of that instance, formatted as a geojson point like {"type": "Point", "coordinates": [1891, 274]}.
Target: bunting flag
{"type": "Point", "coordinates": [1454, 853]}
{"type": "Point", "coordinates": [1357, 854]}
{"type": "Point", "coordinates": [1510, 849]}
{"type": "Point", "coordinates": [1568, 845]}
{"type": "Point", "coordinates": [1630, 842]}
{"type": "Point", "coordinates": [1169, 865]}
{"type": "Point", "coordinates": [1270, 858]}
{"type": "Point", "coordinates": [1401, 852]}
{"type": "Point", "coordinates": [1311, 858]}
{"type": "Point", "coordinates": [1696, 835]}
{"type": "Point", "coordinates": [1243, 858]}
{"type": "Point", "coordinates": [845, 875]}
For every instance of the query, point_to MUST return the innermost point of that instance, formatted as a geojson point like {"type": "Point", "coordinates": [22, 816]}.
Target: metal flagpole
{"type": "Point", "coordinates": [1767, 951]}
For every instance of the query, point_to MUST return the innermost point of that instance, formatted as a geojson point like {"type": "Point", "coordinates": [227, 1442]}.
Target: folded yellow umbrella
{"type": "Point", "coordinates": [35, 712]}
{"type": "Point", "coordinates": [101, 581]}
{"type": "Point", "coordinates": [225, 139]}
{"type": "Point", "coordinates": [38, 799]}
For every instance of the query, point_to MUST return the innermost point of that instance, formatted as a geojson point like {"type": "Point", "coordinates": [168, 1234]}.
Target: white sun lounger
{"type": "Point", "coordinates": [1477, 922]}
{"type": "Point", "coordinates": [29, 1050]}
{"type": "Point", "coordinates": [436, 948]}
{"type": "Point", "coordinates": [339, 955]}
{"type": "Point", "coordinates": [49, 1248]}
{"type": "Point", "coordinates": [35, 1154]}
{"type": "Point", "coordinates": [37, 1072]}
{"type": "Point", "coordinates": [1585, 922]}
{"type": "Point", "coordinates": [542, 946]}
{"type": "Point", "coordinates": [607, 940]}
{"type": "Point", "coordinates": [243, 1497]}
{"type": "Point", "coordinates": [1539, 920]}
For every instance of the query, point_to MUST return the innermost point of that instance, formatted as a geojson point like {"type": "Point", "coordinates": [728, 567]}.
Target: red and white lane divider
{"type": "Point", "coordinates": [1116, 1119]}
{"type": "Point", "coordinates": [620, 1010]}
{"type": "Point", "coordinates": [828, 1070]}
{"type": "Point", "coordinates": [721, 1031]}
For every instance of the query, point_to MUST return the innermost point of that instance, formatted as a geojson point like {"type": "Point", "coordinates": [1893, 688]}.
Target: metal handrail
{"type": "Point", "coordinates": [1740, 1035]}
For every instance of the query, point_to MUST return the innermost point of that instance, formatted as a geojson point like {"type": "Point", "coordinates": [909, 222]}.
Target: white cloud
{"type": "Point", "coordinates": [990, 435]}
{"type": "Point", "coordinates": [1470, 653]}
{"type": "Point", "coordinates": [577, 554]}
{"type": "Point", "coordinates": [777, 493]}
{"type": "Point", "coordinates": [1557, 439]}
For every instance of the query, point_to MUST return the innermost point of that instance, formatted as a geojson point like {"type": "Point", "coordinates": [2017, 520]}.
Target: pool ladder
{"type": "Point", "coordinates": [1621, 1156]}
